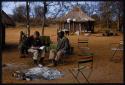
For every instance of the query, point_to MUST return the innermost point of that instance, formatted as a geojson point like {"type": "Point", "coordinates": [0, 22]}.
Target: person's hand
{"type": "Point", "coordinates": [32, 47]}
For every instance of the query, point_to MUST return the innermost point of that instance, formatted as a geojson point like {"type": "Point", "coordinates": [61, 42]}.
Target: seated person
{"type": "Point", "coordinates": [24, 44]}
{"type": "Point", "coordinates": [38, 55]}
{"type": "Point", "coordinates": [63, 47]}
{"type": "Point", "coordinates": [34, 45]}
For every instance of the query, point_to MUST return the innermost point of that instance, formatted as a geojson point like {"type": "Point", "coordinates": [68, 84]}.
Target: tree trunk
{"type": "Point", "coordinates": [1, 46]}
{"type": "Point", "coordinates": [73, 27]}
{"type": "Point", "coordinates": [100, 23]}
{"type": "Point", "coordinates": [118, 23]}
{"type": "Point", "coordinates": [43, 24]}
{"type": "Point", "coordinates": [44, 17]}
{"type": "Point", "coordinates": [2, 30]}
{"type": "Point", "coordinates": [28, 23]}
{"type": "Point", "coordinates": [108, 24]}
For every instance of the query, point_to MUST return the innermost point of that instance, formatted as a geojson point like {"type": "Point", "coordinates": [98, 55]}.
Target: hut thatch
{"type": "Point", "coordinates": [7, 20]}
{"type": "Point", "coordinates": [76, 20]}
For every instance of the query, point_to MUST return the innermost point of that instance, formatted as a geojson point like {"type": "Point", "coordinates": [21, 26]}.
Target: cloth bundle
{"type": "Point", "coordinates": [38, 72]}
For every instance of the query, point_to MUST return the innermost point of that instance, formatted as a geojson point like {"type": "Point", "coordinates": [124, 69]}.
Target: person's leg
{"type": "Point", "coordinates": [21, 50]}
{"type": "Point", "coordinates": [52, 54]}
{"type": "Point", "coordinates": [42, 56]}
{"type": "Point", "coordinates": [58, 56]}
{"type": "Point", "coordinates": [52, 57]}
{"type": "Point", "coordinates": [35, 55]}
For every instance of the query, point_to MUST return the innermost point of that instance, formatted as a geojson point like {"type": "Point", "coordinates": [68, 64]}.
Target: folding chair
{"type": "Point", "coordinates": [81, 66]}
{"type": "Point", "coordinates": [82, 42]}
{"type": "Point", "coordinates": [118, 47]}
{"type": "Point", "coordinates": [23, 42]}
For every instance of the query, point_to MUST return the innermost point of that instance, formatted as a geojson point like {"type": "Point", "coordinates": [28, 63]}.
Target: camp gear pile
{"type": "Point", "coordinates": [38, 72]}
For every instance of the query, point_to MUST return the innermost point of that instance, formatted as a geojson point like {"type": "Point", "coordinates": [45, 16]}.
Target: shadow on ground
{"type": "Point", "coordinates": [10, 46]}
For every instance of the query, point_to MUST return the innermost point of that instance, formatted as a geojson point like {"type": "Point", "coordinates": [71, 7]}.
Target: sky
{"type": "Point", "coordinates": [9, 6]}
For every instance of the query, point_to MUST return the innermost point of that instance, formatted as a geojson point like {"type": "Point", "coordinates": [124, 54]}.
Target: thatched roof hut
{"type": "Point", "coordinates": [76, 20]}
{"type": "Point", "coordinates": [77, 14]}
{"type": "Point", "coordinates": [7, 20]}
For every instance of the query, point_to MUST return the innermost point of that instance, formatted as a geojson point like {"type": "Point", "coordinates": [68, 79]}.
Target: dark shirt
{"type": "Point", "coordinates": [36, 42]}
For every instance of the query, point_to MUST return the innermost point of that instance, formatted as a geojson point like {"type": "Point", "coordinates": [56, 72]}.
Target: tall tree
{"type": "Point", "coordinates": [118, 13]}
{"type": "Point", "coordinates": [38, 11]}
{"type": "Point", "coordinates": [106, 13]}
{"type": "Point", "coordinates": [110, 10]}
{"type": "Point", "coordinates": [19, 13]}
{"type": "Point", "coordinates": [44, 16]}
{"type": "Point", "coordinates": [28, 17]}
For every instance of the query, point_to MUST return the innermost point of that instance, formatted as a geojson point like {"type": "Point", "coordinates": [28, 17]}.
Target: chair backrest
{"type": "Point", "coordinates": [83, 40]}
{"type": "Point", "coordinates": [45, 40]}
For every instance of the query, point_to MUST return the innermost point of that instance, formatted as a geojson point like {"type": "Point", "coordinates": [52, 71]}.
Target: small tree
{"type": "Point", "coordinates": [19, 13]}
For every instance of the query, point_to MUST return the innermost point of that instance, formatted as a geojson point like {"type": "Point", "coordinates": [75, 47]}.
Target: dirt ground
{"type": "Point", "coordinates": [104, 70]}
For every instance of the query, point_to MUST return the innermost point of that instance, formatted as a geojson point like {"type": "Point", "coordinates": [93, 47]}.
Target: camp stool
{"type": "Point", "coordinates": [62, 61]}
{"type": "Point", "coordinates": [81, 67]}
{"type": "Point", "coordinates": [82, 42]}
{"type": "Point", "coordinates": [118, 47]}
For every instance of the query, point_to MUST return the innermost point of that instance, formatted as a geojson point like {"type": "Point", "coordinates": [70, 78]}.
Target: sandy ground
{"type": "Point", "coordinates": [104, 70]}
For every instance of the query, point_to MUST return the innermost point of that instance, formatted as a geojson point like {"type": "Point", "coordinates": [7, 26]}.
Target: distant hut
{"type": "Point", "coordinates": [76, 20]}
{"type": "Point", "coordinates": [6, 21]}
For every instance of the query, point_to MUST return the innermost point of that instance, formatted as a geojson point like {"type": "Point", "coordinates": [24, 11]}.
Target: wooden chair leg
{"type": "Point", "coordinates": [74, 75]}
{"type": "Point", "coordinates": [84, 76]}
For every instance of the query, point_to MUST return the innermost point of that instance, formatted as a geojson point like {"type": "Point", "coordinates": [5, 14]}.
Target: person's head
{"type": "Point", "coordinates": [21, 33]}
{"type": "Point", "coordinates": [61, 34]}
{"type": "Point", "coordinates": [36, 34]}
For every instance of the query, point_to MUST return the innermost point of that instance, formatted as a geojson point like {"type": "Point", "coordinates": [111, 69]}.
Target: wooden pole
{"type": "Point", "coordinates": [80, 27]}
{"type": "Point", "coordinates": [28, 22]}
{"type": "Point", "coordinates": [59, 26]}
{"type": "Point", "coordinates": [0, 24]}
{"type": "Point", "coordinates": [44, 17]}
{"type": "Point", "coordinates": [73, 27]}
{"type": "Point", "coordinates": [69, 27]}
{"type": "Point", "coordinates": [123, 36]}
{"type": "Point", "coordinates": [100, 22]}
{"type": "Point", "coordinates": [1, 39]}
